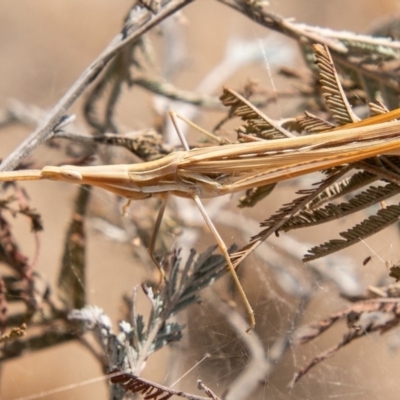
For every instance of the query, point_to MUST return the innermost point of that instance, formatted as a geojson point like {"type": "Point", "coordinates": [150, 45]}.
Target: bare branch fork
{"type": "Point", "coordinates": [139, 21]}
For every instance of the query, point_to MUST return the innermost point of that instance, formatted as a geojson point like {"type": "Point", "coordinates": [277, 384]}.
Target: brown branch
{"type": "Point", "coordinates": [336, 40]}
{"type": "Point", "coordinates": [387, 307]}
{"type": "Point", "coordinates": [140, 20]}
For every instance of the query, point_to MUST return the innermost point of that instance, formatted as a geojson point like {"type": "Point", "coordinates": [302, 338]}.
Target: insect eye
{"type": "Point", "coordinates": [71, 175]}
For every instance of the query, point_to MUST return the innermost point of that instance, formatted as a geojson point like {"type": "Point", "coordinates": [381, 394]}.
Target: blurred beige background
{"type": "Point", "coordinates": [44, 47]}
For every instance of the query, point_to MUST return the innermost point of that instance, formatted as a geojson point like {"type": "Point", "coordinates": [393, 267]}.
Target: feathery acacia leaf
{"type": "Point", "coordinates": [330, 212]}
{"type": "Point", "coordinates": [292, 207]}
{"type": "Point", "coordinates": [148, 389]}
{"type": "Point", "coordinates": [342, 188]}
{"type": "Point", "coordinates": [256, 122]}
{"type": "Point", "coordinates": [253, 196]}
{"type": "Point", "coordinates": [374, 224]}
{"type": "Point", "coordinates": [332, 90]}
{"type": "Point", "coordinates": [147, 145]}
{"type": "Point", "coordinates": [313, 124]}
{"type": "Point", "coordinates": [377, 108]}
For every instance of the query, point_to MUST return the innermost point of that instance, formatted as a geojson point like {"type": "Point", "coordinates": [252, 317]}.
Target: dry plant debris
{"type": "Point", "coordinates": [345, 70]}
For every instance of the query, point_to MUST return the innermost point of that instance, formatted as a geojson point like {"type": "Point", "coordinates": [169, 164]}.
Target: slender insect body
{"type": "Point", "coordinates": [219, 170]}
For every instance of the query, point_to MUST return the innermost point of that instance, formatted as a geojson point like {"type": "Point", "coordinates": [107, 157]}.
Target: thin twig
{"type": "Point", "coordinates": [139, 22]}
{"type": "Point", "coordinates": [335, 40]}
{"type": "Point", "coordinates": [207, 390]}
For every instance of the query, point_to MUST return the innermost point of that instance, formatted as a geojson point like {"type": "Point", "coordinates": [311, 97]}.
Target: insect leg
{"type": "Point", "coordinates": [213, 229]}
{"type": "Point", "coordinates": [224, 250]}
{"type": "Point", "coordinates": [210, 135]}
{"type": "Point", "coordinates": [153, 238]}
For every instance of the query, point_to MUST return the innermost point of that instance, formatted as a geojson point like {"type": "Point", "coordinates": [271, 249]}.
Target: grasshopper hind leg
{"type": "Point", "coordinates": [210, 135]}
{"type": "Point", "coordinates": [211, 226]}
{"type": "Point", "coordinates": [224, 250]}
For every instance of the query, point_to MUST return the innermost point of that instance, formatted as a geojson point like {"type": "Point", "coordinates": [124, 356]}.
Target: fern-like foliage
{"type": "Point", "coordinates": [332, 89]}
{"type": "Point", "coordinates": [135, 384]}
{"type": "Point", "coordinates": [310, 207]}
{"type": "Point", "coordinates": [342, 188]}
{"type": "Point", "coordinates": [147, 145]}
{"type": "Point", "coordinates": [256, 122]}
{"type": "Point", "coordinates": [137, 339]}
{"type": "Point", "coordinates": [377, 108]}
{"type": "Point", "coordinates": [313, 124]}
{"type": "Point", "coordinates": [294, 207]}
{"type": "Point", "coordinates": [317, 216]}
{"type": "Point", "coordinates": [253, 196]}
{"type": "Point", "coordinates": [374, 224]}
{"type": "Point", "coordinates": [149, 390]}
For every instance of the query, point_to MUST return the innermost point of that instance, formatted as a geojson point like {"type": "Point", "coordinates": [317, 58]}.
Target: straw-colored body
{"type": "Point", "coordinates": [219, 170]}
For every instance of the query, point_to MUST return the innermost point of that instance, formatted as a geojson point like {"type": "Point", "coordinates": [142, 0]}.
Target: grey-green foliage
{"type": "Point", "coordinates": [182, 288]}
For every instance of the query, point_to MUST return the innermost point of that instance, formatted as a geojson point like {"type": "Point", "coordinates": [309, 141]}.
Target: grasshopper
{"type": "Point", "coordinates": [219, 170]}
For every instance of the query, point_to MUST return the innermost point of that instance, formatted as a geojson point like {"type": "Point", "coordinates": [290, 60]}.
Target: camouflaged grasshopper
{"type": "Point", "coordinates": [219, 170]}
